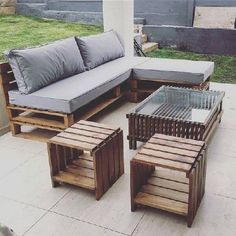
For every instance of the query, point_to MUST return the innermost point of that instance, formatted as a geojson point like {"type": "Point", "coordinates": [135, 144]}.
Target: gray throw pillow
{"type": "Point", "coordinates": [38, 67]}
{"type": "Point", "coordinates": [99, 49]}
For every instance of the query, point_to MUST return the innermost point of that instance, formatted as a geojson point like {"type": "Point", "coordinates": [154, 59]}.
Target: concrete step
{"type": "Point", "coordinates": [149, 47]}
{"type": "Point", "coordinates": [139, 21]}
{"type": "Point", "coordinates": [141, 38]}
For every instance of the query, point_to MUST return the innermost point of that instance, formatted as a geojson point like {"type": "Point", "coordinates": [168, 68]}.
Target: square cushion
{"type": "Point", "coordinates": [172, 70]}
{"type": "Point", "coordinates": [38, 67]}
{"type": "Point", "coordinates": [101, 48]}
{"type": "Point", "coordinates": [70, 94]}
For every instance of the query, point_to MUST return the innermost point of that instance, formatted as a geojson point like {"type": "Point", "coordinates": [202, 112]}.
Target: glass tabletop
{"type": "Point", "coordinates": [180, 103]}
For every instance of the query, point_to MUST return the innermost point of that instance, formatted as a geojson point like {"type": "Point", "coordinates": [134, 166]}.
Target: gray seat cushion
{"type": "Point", "coordinates": [170, 70]}
{"type": "Point", "coordinates": [99, 49]}
{"type": "Point", "coordinates": [38, 67]}
{"type": "Point", "coordinates": [72, 93]}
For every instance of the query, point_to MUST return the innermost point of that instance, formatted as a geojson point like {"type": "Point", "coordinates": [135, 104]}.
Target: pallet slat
{"type": "Point", "coordinates": [161, 203]}
{"type": "Point", "coordinates": [168, 156]}
{"type": "Point", "coordinates": [163, 163]}
{"type": "Point", "coordinates": [80, 181]}
{"type": "Point", "coordinates": [166, 193]}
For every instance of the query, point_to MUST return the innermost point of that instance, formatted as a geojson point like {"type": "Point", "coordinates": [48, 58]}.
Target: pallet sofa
{"type": "Point", "coordinates": [53, 86]}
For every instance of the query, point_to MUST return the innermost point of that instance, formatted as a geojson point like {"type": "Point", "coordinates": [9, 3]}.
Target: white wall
{"type": "Point", "coordinates": [119, 15]}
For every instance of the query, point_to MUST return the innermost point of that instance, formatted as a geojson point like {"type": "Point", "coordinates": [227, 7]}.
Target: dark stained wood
{"type": "Point", "coordinates": [88, 155]}
{"type": "Point", "coordinates": [176, 178]}
{"type": "Point", "coordinates": [143, 127]}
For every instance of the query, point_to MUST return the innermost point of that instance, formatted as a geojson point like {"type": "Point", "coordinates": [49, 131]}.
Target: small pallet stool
{"type": "Point", "coordinates": [88, 155]}
{"type": "Point", "coordinates": [169, 173]}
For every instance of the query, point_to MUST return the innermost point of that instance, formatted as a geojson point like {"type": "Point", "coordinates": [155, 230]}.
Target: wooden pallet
{"type": "Point", "coordinates": [49, 120]}
{"type": "Point", "coordinates": [169, 173]}
{"type": "Point", "coordinates": [87, 155]}
{"type": "Point", "coordinates": [140, 88]}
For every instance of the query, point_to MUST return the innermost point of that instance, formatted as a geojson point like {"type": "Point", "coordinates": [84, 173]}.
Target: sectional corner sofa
{"type": "Point", "coordinates": [52, 86]}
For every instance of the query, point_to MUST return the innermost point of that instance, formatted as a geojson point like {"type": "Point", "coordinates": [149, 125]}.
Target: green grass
{"type": "Point", "coordinates": [225, 66]}
{"type": "Point", "coordinates": [21, 32]}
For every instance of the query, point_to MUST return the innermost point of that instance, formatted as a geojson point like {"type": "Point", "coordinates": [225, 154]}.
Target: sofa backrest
{"type": "Point", "coordinates": [99, 49]}
{"type": "Point", "coordinates": [35, 68]}
{"type": "Point", "coordinates": [38, 67]}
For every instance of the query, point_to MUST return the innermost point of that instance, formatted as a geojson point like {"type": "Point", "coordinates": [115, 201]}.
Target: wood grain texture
{"type": "Point", "coordinates": [88, 155]}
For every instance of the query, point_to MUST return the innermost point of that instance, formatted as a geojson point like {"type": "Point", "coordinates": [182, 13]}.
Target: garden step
{"type": "Point", "coordinates": [149, 46]}
{"type": "Point", "coordinates": [139, 21]}
{"type": "Point", "coordinates": [141, 38]}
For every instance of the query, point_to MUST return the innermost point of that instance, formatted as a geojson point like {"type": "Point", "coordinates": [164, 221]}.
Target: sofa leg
{"type": "Point", "coordinates": [15, 129]}
{"type": "Point", "coordinates": [116, 92]}
{"type": "Point", "coordinates": [69, 120]}
{"type": "Point", "coordinates": [134, 97]}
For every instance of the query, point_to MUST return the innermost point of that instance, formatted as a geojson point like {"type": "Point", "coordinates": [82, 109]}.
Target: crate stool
{"type": "Point", "coordinates": [88, 155]}
{"type": "Point", "coordinates": [169, 173]}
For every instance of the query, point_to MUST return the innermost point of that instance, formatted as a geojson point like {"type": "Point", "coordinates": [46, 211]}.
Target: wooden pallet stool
{"type": "Point", "coordinates": [169, 173]}
{"type": "Point", "coordinates": [88, 155]}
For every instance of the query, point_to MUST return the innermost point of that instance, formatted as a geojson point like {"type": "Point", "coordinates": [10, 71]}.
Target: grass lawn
{"type": "Point", "coordinates": [21, 32]}
{"type": "Point", "coordinates": [225, 66]}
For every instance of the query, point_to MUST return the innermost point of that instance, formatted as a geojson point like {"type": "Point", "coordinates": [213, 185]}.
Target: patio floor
{"type": "Point", "coordinates": [31, 206]}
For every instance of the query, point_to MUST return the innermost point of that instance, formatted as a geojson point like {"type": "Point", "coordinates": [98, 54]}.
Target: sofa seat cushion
{"type": "Point", "coordinates": [76, 91]}
{"type": "Point", "coordinates": [35, 68]}
{"type": "Point", "coordinates": [171, 70]}
{"type": "Point", "coordinates": [99, 49]}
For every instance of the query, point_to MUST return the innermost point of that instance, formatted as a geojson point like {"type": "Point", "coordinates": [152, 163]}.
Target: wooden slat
{"type": "Point", "coordinates": [37, 125]}
{"type": "Point", "coordinates": [169, 184]}
{"type": "Point", "coordinates": [165, 155]}
{"type": "Point", "coordinates": [178, 139]}
{"type": "Point", "coordinates": [12, 107]}
{"type": "Point", "coordinates": [167, 193]}
{"type": "Point", "coordinates": [170, 175]}
{"type": "Point", "coordinates": [87, 133]}
{"type": "Point", "coordinates": [89, 128]}
{"type": "Point", "coordinates": [73, 143]}
{"type": "Point", "coordinates": [161, 203]}
{"type": "Point", "coordinates": [86, 156]}
{"type": "Point", "coordinates": [175, 144]}
{"type": "Point", "coordinates": [94, 110]}
{"type": "Point", "coordinates": [170, 149]}
{"type": "Point", "coordinates": [163, 163]}
{"type": "Point", "coordinates": [5, 67]}
{"type": "Point", "coordinates": [80, 138]}
{"type": "Point", "coordinates": [39, 121]}
{"type": "Point", "coordinates": [80, 171]}
{"type": "Point", "coordinates": [98, 125]}
{"type": "Point", "coordinates": [84, 163]}
{"type": "Point", "coordinates": [77, 180]}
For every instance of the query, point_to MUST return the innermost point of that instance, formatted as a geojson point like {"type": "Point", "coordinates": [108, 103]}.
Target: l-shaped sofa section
{"type": "Point", "coordinates": [107, 75]}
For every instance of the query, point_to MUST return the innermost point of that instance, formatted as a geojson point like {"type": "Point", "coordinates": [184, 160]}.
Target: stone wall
{"type": "Point", "coordinates": [7, 7]}
{"type": "Point", "coordinates": [200, 40]}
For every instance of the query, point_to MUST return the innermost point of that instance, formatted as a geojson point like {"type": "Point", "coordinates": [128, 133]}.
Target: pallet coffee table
{"type": "Point", "coordinates": [88, 155]}
{"type": "Point", "coordinates": [169, 173]}
{"type": "Point", "coordinates": [180, 112]}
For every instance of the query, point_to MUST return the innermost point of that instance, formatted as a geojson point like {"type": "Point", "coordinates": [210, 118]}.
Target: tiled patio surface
{"type": "Point", "coordinates": [31, 206]}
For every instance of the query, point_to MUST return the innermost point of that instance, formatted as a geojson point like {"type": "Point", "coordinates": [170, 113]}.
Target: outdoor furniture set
{"type": "Point", "coordinates": [53, 86]}
{"type": "Point", "coordinates": [60, 86]}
